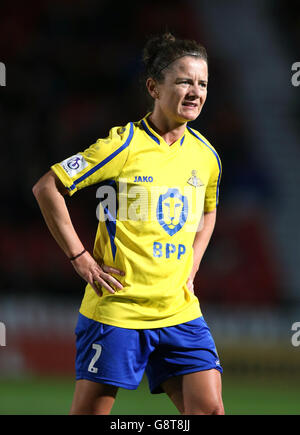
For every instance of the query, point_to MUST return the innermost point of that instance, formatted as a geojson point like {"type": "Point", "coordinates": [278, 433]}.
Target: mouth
{"type": "Point", "coordinates": [189, 104]}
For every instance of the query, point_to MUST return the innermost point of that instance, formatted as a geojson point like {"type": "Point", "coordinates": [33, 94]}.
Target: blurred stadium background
{"type": "Point", "coordinates": [73, 72]}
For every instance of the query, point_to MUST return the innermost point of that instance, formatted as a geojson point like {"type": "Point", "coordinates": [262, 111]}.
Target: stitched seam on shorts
{"type": "Point", "coordinates": [83, 375]}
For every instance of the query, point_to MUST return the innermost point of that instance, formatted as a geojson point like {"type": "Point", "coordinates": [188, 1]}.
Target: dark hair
{"type": "Point", "coordinates": [160, 51]}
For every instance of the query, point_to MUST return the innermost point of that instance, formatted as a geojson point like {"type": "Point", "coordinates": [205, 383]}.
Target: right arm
{"type": "Point", "coordinates": [49, 193]}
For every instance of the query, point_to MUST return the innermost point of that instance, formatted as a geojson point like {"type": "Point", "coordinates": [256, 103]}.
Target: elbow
{"type": "Point", "coordinates": [36, 189]}
{"type": "Point", "coordinates": [48, 185]}
{"type": "Point", "coordinates": [40, 186]}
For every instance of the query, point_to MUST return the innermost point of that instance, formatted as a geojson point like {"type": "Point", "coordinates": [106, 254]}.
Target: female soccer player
{"type": "Point", "coordinates": [158, 185]}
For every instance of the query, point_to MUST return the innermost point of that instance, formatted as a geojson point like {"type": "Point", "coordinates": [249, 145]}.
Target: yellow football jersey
{"type": "Point", "coordinates": [152, 197]}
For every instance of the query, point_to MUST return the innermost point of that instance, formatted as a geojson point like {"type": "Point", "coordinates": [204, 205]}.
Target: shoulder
{"type": "Point", "coordinates": [205, 145]}
{"type": "Point", "coordinates": [123, 133]}
{"type": "Point", "coordinates": [126, 132]}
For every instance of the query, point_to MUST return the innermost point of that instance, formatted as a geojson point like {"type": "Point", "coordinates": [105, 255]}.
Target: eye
{"type": "Point", "coordinates": [182, 82]}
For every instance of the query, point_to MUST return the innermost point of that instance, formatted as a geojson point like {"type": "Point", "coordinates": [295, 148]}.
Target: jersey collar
{"type": "Point", "coordinates": [155, 136]}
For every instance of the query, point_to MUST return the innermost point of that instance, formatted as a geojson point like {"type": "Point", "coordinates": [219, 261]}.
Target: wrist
{"type": "Point", "coordinates": [79, 254]}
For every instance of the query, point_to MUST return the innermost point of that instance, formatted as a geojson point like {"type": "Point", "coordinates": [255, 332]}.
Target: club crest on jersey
{"type": "Point", "coordinates": [194, 180]}
{"type": "Point", "coordinates": [172, 211]}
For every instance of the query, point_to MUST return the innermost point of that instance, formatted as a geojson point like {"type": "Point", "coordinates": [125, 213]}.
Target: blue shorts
{"type": "Point", "coordinates": [119, 356]}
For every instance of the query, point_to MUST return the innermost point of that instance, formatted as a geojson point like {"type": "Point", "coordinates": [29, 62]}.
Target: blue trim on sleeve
{"type": "Point", "coordinates": [217, 157]}
{"type": "Point", "coordinates": [105, 161]}
{"type": "Point", "coordinates": [72, 187]}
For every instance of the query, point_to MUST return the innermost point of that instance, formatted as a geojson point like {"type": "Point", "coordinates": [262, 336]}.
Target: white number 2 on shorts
{"type": "Point", "coordinates": [98, 349]}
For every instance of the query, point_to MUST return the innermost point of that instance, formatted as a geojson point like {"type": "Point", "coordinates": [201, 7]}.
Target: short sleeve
{"type": "Point", "coordinates": [212, 189]}
{"type": "Point", "coordinates": [103, 160]}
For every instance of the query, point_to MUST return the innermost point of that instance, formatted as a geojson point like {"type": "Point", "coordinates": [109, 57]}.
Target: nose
{"type": "Point", "coordinates": [194, 92]}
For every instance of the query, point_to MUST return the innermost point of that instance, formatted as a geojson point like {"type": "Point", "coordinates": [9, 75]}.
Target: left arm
{"type": "Point", "coordinates": [200, 244]}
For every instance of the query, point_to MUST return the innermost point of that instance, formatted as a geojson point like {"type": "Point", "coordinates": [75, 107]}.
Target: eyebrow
{"type": "Point", "coordinates": [190, 80]}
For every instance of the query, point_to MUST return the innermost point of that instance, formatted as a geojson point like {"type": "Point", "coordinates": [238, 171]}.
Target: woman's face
{"type": "Point", "coordinates": [182, 94]}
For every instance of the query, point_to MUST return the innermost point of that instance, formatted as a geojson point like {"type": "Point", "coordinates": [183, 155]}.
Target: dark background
{"type": "Point", "coordinates": [73, 71]}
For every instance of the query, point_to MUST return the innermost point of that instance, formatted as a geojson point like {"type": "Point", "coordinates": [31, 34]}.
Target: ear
{"type": "Point", "coordinates": [152, 88]}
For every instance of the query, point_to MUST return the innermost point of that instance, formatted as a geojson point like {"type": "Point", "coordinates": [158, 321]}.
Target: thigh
{"type": "Point", "coordinates": [196, 393]}
{"type": "Point", "coordinates": [183, 349]}
{"type": "Point", "coordinates": [93, 398]}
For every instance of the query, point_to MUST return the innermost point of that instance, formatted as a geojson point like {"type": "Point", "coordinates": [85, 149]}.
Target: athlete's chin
{"type": "Point", "coordinates": [190, 115]}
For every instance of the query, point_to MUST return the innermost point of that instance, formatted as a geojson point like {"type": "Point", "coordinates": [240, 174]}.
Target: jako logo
{"type": "Point", "coordinates": [296, 76]}
{"type": "Point", "coordinates": [2, 74]}
{"type": "Point", "coordinates": [2, 334]}
{"type": "Point", "coordinates": [143, 179]}
{"type": "Point", "coordinates": [296, 336]}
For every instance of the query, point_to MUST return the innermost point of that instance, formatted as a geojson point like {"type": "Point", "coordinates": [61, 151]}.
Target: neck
{"type": "Point", "coordinates": [170, 131]}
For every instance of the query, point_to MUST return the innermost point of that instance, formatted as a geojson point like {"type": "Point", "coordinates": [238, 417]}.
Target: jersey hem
{"type": "Point", "coordinates": [147, 324]}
